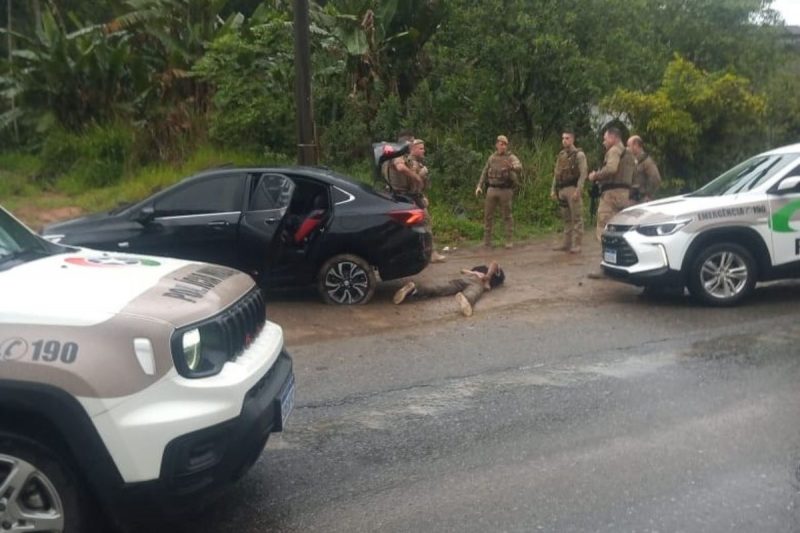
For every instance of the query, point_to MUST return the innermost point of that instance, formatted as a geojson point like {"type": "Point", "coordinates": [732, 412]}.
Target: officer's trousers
{"type": "Point", "coordinates": [611, 203]}
{"type": "Point", "coordinates": [572, 216]}
{"type": "Point", "coordinates": [496, 196]}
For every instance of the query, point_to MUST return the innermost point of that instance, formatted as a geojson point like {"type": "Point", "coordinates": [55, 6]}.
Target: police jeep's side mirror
{"type": "Point", "coordinates": [145, 215]}
{"type": "Point", "coordinates": [789, 185]}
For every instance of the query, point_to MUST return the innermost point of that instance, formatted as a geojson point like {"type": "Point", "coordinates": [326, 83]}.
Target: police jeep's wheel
{"type": "Point", "coordinates": [722, 274]}
{"type": "Point", "coordinates": [38, 492]}
{"type": "Point", "coordinates": [346, 280]}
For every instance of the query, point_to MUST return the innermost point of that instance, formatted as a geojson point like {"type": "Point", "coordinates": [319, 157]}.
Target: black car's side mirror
{"type": "Point", "coordinates": [145, 215]}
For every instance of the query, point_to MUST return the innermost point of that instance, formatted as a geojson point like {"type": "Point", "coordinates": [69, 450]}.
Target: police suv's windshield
{"type": "Point", "coordinates": [18, 245]}
{"type": "Point", "coordinates": [746, 176]}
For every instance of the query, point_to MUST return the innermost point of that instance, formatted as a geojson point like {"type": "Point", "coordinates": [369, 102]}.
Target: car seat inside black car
{"type": "Point", "coordinates": [307, 212]}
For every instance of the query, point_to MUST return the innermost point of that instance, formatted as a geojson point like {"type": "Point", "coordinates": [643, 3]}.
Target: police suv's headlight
{"type": "Point", "coordinates": [200, 350]}
{"type": "Point", "coordinates": [660, 230]}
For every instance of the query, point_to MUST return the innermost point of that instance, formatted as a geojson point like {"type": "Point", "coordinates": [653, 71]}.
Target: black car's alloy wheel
{"type": "Point", "coordinates": [346, 280]}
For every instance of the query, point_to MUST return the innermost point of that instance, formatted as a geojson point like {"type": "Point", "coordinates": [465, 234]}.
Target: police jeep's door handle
{"type": "Point", "coordinates": [271, 220]}
{"type": "Point", "coordinates": [218, 224]}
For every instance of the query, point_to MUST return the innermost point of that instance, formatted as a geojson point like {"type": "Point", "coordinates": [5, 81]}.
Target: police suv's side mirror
{"type": "Point", "coordinates": [145, 215]}
{"type": "Point", "coordinates": [788, 185]}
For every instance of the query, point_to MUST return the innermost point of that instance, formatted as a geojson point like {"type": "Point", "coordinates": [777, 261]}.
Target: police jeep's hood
{"type": "Point", "coordinates": [687, 207]}
{"type": "Point", "coordinates": [86, 287]}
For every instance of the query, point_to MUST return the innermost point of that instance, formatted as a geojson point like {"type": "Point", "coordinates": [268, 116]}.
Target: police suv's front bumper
{"type": "Point", "coordinates": [631, 257]}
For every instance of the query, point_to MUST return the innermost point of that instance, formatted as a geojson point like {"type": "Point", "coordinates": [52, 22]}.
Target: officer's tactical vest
{"type": "Point", "coordinates": [399, 182]}
{"type": "Point", "coordinates": [499, 172]}
{"type": "Point", "coordinates": [568, 170]}
{"type": "Point", "coordinates": [627, 168]}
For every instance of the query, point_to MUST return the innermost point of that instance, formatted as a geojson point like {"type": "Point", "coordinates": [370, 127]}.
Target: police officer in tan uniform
{"type": "Point", "coordinates": [615, 179]}
{"type": "Point", "coordinates": [647, 178]}
{"type": "Point", "coordinates": [415, 161]}
{"type": "Point", "coordinates": [501, 175]}
{"type": "Point", "coordinates": [568, 179]}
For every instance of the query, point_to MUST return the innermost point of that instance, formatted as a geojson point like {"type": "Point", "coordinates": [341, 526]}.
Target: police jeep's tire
{"type": "Point", "coordinates": [346, 279]}
{"type": "Point", "coordinates": [38, 489]}
{"type": "Point", "coordinates": [722, 274]}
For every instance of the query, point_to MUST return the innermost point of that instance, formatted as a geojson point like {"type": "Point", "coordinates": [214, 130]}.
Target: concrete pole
{"type": "Point", "coordinates": [306, 145]}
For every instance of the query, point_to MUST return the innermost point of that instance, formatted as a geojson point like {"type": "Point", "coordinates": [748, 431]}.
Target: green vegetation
{"type": "Point", "coordinates": [104, 101]}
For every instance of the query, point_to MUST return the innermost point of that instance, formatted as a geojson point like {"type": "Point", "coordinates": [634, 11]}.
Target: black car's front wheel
{"type": "Point", "coordinates": [346, 280]}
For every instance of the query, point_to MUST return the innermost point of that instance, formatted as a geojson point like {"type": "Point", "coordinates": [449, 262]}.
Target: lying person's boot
{"type": "Point", "coordinates": [598, 274]}
{"type": "Point", "coordinates": [575, 249]}
{"type": "Point", "coordinates": [463, 303]}
{"type": "Point", "coordinates": [403, 292]}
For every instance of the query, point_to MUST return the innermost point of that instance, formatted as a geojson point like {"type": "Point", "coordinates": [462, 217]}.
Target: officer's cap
{"type": "Point", "coordinates": [502, 139]}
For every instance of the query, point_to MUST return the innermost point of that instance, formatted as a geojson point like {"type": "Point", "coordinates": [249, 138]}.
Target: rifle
{"type": "Point", "coordinates": [594, 195]}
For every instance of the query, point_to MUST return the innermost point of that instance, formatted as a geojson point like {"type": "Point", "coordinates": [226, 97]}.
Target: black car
{"type": "Point", "coordinates": [285, 226]}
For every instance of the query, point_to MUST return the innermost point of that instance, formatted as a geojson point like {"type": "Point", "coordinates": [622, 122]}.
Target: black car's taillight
{"type": "Point", "coordinates": [409, 217]}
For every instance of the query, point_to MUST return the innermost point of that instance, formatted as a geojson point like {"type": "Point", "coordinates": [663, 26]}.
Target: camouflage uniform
{"type": "Point", "coordinates": [501, 174]}
{"type": "Point", "coordinates": [646, 180]}
{"type": "Point", "coordinates": [615, 180]}
{"type": "Point", "coordinates": [568, 178]}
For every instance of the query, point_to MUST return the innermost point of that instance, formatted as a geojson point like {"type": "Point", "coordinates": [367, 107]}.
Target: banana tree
{"type": "Point", "coordinates": [74, 77]}
{"type": "Point", "coordinates": [382, 40]}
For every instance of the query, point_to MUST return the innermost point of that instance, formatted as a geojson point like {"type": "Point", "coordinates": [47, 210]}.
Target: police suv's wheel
{"type": "Point", "coordinates": [38, 492]}
{"type": "Point", "coordinates": [346, 280]}
{"type": "Point", "coordinates": [722, 274]}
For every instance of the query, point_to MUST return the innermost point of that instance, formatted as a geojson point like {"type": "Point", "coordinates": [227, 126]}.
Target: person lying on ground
{"type": "Point", "coordinates": [467, 289]}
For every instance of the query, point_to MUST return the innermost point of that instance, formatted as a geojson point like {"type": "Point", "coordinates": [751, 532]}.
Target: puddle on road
{"type": "Point", "coordinates": [740, 347]}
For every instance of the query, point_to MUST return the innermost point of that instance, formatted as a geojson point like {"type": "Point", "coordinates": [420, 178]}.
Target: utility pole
{"type": "Point", "coordinates": [306, 145]}
{"type": "Point", "coordinates": [9, 29]}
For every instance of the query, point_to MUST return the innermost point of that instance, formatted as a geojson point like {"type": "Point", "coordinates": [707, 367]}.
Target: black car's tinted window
{"type": "Point", "coordinates": [220, 194]}
{"type": "Point", "coordinates": [273, 191]}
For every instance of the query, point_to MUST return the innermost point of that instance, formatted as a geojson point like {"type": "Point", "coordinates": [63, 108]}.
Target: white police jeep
{"type": "Point", "coordinates": [127, 383]}
{"type": "Point", "coordinates": [741, 228]}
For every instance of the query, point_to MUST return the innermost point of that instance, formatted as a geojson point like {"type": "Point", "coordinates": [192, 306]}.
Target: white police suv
{"type": "Point", "coordinates": [741, 228]}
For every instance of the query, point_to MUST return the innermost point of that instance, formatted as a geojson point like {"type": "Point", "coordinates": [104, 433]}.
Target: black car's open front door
{"type": "Point", "coordinates": [262, 222]}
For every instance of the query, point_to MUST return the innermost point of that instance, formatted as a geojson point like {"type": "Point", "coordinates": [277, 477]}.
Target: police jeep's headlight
{"type": "Point", "coordinates": [660, 230]}
{"type": "Point", "coordinates": [200, 350]}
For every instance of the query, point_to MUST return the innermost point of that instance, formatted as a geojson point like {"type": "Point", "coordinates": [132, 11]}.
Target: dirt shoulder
{"type": "Point", "coordinates": [537, 279]}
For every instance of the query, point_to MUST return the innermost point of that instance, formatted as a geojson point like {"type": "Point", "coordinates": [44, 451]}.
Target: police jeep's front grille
{"type": "Point", "coordinates": [242, 322]}
{"type": "Point", "coordinates": [625, 254]}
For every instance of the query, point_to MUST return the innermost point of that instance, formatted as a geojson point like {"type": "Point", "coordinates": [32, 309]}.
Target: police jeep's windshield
{"type": "Point", "coordinates": [746, 176]}
{"type": "Point", "coordinates": [18, 245]}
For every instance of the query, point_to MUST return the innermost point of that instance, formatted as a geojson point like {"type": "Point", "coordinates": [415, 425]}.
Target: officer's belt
{"type": "Point", "coordinates": [611, 186]}
{"type": "Point", "coordinates": [501, 186]}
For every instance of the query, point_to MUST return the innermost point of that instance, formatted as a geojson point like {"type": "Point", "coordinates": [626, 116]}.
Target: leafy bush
{"type": "Point", "coordinates": [97, 157]}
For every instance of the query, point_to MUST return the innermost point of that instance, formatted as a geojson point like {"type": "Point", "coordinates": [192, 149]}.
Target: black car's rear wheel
{"type": "Point", "coordinates": [346, 280]}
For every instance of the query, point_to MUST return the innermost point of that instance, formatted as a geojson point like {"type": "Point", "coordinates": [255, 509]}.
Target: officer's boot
{"type": "Point", "coordinates": [567, 244]}
{"type": "Point", "coordinates": [576, 243]}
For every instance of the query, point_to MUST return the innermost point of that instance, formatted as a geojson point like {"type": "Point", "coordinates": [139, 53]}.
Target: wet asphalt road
{"type": "Point", "coordinates": [629, 415]}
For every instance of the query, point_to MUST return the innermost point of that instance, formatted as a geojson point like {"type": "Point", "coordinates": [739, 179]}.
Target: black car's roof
{"type": "Point", "coordinates": [322, 173]}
